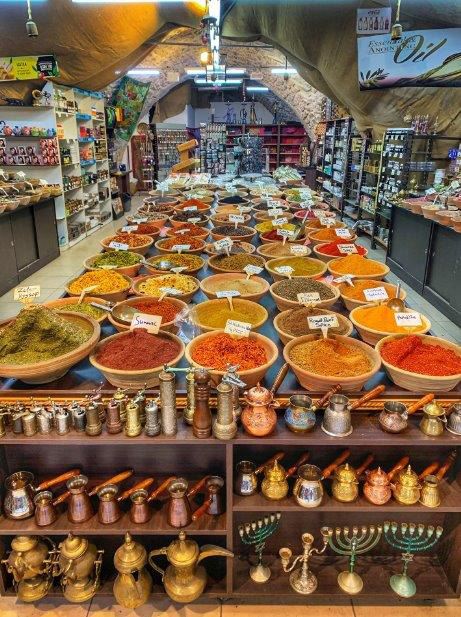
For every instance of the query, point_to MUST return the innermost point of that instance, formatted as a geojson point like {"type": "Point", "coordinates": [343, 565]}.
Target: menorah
{"type": "Point", "coordinates": [360, 541]}
{"type": "Point", "coordinates": [255, 534]}
{"type": "Point", "coordinates": [409, 538]}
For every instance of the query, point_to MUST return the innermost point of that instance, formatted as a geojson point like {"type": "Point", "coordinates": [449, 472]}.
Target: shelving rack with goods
{"type": "Point", "coordinates": [355, 157]}
{"type": "Point", "coordinates": [143, 160]}
{"type": "Point", "coordinates": [166, 141]}
{"type": "Point", "coordinates": [213, 155]}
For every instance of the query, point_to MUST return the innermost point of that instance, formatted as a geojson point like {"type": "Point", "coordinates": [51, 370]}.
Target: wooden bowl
{"type": "Point", "coordinates": [175, 223]}
{"type": "Point", "coordinates": [159, 222]}
{"type": "Point", "coordinates": [113, 296]}
{"type": "Point", "coordinates": [49, 370]}
{"type": "Point", "coordinates": [159, 247]}
{"type": "Point", "coordinates": [277, 276]}
{"type": "Point", "coordinates": [326, 258]}
{"type": "Point", "coordinates": [130, 271]}
{"type": "Point", "coordinates": [351, 304]}
{"type": "Point", "coordinates": [284, 304]}
{"type": "Point", "coordinates": [417, 382]}
{"type": "Point", "coordinates": [174, 232]}
{"type": "Point", "coordinates": [167, 326]}
{"type": "Point", "coordinates": [372, 336]}
{"type": "Point", "coordinates": [142, 249]}
{"type": "Point", "coordinates": [151, 268]}
{"type": "Point", "coordinates": [61, 304]}
{"type": "Point", "coordinates": [247, 237]}
{"type": "Point", "coordinates": [220, 219]}
{"type": "Point", "coordinates": [322, 383]}
{"type": "Point", "coordinates": [310, 235]}
{"type": "Point", "coordinates": [286, 338]}
{"type": "Point", "coordinates": [154, 234]}
{"type": "Point", "coordinates": [134, 379]}
{"type": "Point", "coordinates": [233, 276]}
{"type": "Point", "coordinates": [252, 376]}
{"type": "Point", "coordinates": [212, 264]}
{"type": "Point", "coordinates": [185, 297]}
{"type": "Point", "coordinates": [376, 277]}
{"type": "Point", "coordinates": [203, 208]}
{"type": "Point", "coordinates": [248, 248]}
{"type": "Point", "coordinates": [265, 250]}
{"type": "Point", "coordinates": [259, 312]}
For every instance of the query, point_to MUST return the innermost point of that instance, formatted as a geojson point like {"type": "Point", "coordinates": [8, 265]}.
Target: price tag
{"type": "Point", "coordinates": [151, 323]}
{"type": "Point", "coordinates": [346, 278]}
{"type": "Point", "coordinates": [140, 220]}
{"type": "Point", "coordinates": [130, 228]}
{"type": "Point", "coordinates": [343, 233]}
{"type": "Point", "coordinates": [225, 244]}
{"type": "Point", "coordinates": [431, 191]}
{"type": "Point", "coordinates": [308, 297]}
{"type": "Point", "coordinates": [411, 318]}
{"type": "Point", "coordinates": [178, 248]}
{"type": "Point", "coordinates": [250, 269]}
{"type": "Point", "coordinates": [236, 218]}
{"type": "Point", "coordinates": [194, 219]}
{"type": "Point", "coordinates": [305, 205]}
{"type": "Point", "coordinates": [240, 328]}
{"type": "Point", "coordinates": [322, 322]}
{"type": "Point", "coordinates": [178, 269]}
{"type": "Point", "coordinates": [347, 249]}
{"type": "Point", "coordinates": [107, 267]}
{"type": "Point", "coordinates": [243, 209]}
{"type": "Point", "coordinates": [272, 204]}
{"type": "Point", "coordinates": [287, 270]}
{"type": "Point", "coordinates": [170, 291]}
{"type": "Point", "coordinates": [298, 249]}
{"type": "Point", "coordinates": [281, 221]}
{"type": "Point", "coordinates": [180, 232]}
{"type": "Point", "coordinates": [326, 221]}
{"type": "Point", "coordinates": [26, 294]}
{"type": "Point", "coordinates": [190, 209]}
{"type": "Point", "coordinates": [318, 212]}
{"type": "Point", "coordinates": [119, 246]}
{"type": "Point", "coordinates": [275, 212]}
{"type": "Point", "coordinates": [376, 293]}
{"type": "Point", "coordinates": [227, 293]}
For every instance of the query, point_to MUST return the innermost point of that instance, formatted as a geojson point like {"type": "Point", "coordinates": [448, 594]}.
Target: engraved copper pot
{"type": "Point", "coordinates": [394, 415]}
{"type": "Point", "coordinates": [259, 418]}
{"type": "Point", "coordinates": [377, 488]}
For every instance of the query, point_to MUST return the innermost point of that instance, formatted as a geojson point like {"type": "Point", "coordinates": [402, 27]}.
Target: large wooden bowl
{"type": "Point", "coordinates": [317, 248]}
{"type": "Point", "coordinates": [61, 304]}
{"type": "Point", "coordinates": [49, 370]}
{"type": "Point", "coordinates": [130, 271]}
{"type": "Point", "coordinates": [285, 337]}
{"type": "Point", "coordinates": [155, 234]}
{"type": "Point", "coordinates": [247, 237]}
{"type": "Point", "coordinates": [248, 248]}
{"type": "Point", "coordinates": [166, 326]}
{"type": "Point", "coordinates": [283, 304]}
{"type": "Point", "coordinates": [252, 376]}
{"type": "Point", "coordinates": [415, 381]}
{"type": "Point", "coordinates": [142, 249]}
{"type": "Point", "coordinates": [265, 250]}
{"type": "Point", "coordinates": [277, 276]}
{"type": "Point", "coordinates": [213, 260]}
{"type": "Point", "coordinates": [372, 336]}
{"type": "Point", "coordinates": [113, 296]}
{"type": "Point", "coordinates": [134, 379]}
{"type": "Point", "coordinates": [150, 267]}
{"type": "Point", "coordinates": [376, 277]}
{"type": "Point", "coordinates": [259, 312]}
{"type": "Point", "coordinates": [185, 297]}
{"type": "Point", "coordinates": [314, 241]}
{"type": "Point", "coordinates": [176, 223]}
{"type": "Point", "coordinates": [322, 383]}
{"type": "Point", "coordinates": [351, 303]}
{"type": "Point", "coordinates": [206, 283]}
{"type": "Point", "coordinates": [161, 249]}
{"type": "Point", "coordinates": [174, 232]}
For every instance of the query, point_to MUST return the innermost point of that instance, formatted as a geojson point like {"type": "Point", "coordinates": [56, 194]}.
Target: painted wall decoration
{"type": "Point", "coordinates": [20, 68]}
{"type": "Point", "coordinates": [129, 96]}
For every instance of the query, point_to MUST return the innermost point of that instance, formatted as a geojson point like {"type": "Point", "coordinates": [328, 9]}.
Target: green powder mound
{"type": "Point", "coordinates": [37, 334]}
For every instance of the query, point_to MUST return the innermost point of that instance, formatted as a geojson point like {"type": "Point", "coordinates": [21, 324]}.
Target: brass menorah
{"type": "Point", "coordinates": [255, 534]}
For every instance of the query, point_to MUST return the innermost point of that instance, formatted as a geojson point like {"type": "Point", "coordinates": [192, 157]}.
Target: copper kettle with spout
{"type": "Point", "coordinates": [377, 487]}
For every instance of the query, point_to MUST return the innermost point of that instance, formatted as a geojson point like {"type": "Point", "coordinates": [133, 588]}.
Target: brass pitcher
{"type": "Point", "coordinates": [430, 492]}
{"type": "Point", "coordinates": [275, 483]}
{"type": "Point", "coordinates": [345, 485]}
{"type": "Point", "coordinates": [133, 584]}
{"type": "Point", "coordinates": [79, 567]}
{"type": "Point", "coordinates": [184, 579]}
{"type": "Point", "coordinates": [433, 419]}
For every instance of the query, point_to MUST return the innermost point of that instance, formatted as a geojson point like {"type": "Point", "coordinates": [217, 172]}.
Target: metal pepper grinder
{"type": "Point", "coordinates": [225, 426]}
{"type": "Point", "coordinates": [18, 411]}
{"type": "Point", "coordinates": [93, 422]}
{"type": "Point", "coordinates": [96, 399]}
{"type": "Point", "coordinates": [113, 421]}
{"type": "Point", "coordinates": [231, 377]}
{"type": "Point", "coordinates": [140, 400]}
{"type": "Point", "coordinates": [201, 425]}
{"type": "Point", "coordinates": [188, 414]}
{"type": "Point", "coordinates": [167, 382]}
{"type": "Point", "coordinates": [78, 414]}
{"type": "Point", "coordinates": [152, 427]}
{"type": "Point", "coordinates": [133, 426]}
{"type": "Point", "coordinates": [4, 411]}
{"type": "Point", "coordinates": [121, 398]}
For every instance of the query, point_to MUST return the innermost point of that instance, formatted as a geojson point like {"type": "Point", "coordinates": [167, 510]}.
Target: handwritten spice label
{"type": "Point", "coordinates": [178, 269]}
{"type": "Point", "coordinates": [298, 249]}
{"type": "Point", "coordinates": [171, 291]}
{"type": "Point", "coordinates": [180, 247]}
{"type": "Point", "coordinates": [377, 293]}
{"type": "Point", "coordinates": [240, 328]}
{"type": "Point", "coordinates": [227, 293]}
{"type": "Point", "coordinates": [252, 269]}
{"type": "Point", "coordinates": [411, 318]}
{"type": "Point", "coordinates": [346, 249]}
{"type": "Point", "coordinates": [281, 221]}
{"type": "Point", "coordinates": [223, 244]}
{"type": "Point", "coordinates": [346, 278]}
{"type": "Point", "coordinates": [27, 294]}
{"type": "Point", "coordinates": [130, 228]}
{"type": "Point", "coordinates": [140, 219]}
{"type": "Point", "coordinates": [151, 323]}
{"type": "Point", "coordinates": [194, 219]}
{"type": "Point", "coordinates": [236, 218]}
{"type": "Point", "coordinates": [190, 209]}
{"type": "Point", "coordinates": [119, 246]}
{"type": "Point", "coordinates": [275, 212]}
{"type": "Point", "coordinates": [322, 321]}
{"type": "Point", "coordinates": [343, 233]}
{"type": "Point", "coordinates": [285, 233]}
{"type": "Point", "coordinates": [243, 209]}
{"type": "Point", "coordinates": [284, 270]}
{"type": "Point", "coordinates": [308, 297]}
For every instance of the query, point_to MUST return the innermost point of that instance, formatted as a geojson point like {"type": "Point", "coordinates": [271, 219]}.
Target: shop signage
{"type": "Point", "coordinates": [308, 296]}
{"type": "Point", "coordinates": [374, 21]}
{"type": "Point", "coordinates": [26, 294]}
{"type": "Point", "coordinates": [20, 68]}
{"type": "Point", "coordinates": [240, 328]}
{"type": "Point", "coordinates": [151, 323]}
{"type": "Point", "coordinates": [420, 58]}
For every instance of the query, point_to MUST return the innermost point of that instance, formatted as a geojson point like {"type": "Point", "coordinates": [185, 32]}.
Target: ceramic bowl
{"type": "Point", "coordinates": [266, 250]}
{"type": "Point", "coordinates": [277, 276]}
{"type": "Point", "coordinates": [150, 266]}
{"type": "Point", "coordinates": [213, 265]}
{"type": "Point", "coordinates": [207, 283]}
{"type": "Point", "coordinates": [372, 336]}
{"type": "Point", "coordinates": [284, 304]}
{"type": "Point", "coordinates": [246, 246]}
{"type": "Point", "coordinates": [130, 271]}
{"type": "Point", "coordinates": [314, 241]}
{"type": "Point", "coordinates": [185, 297]}
{"type": "Point", "coordinates": [203, 208]}
{"type": "Point", "coordinates": [154, 234]}
{"type": "Point", "coordinates": [259, 312]}
{"type": "Point", "coordinates": [176, 223]}
{"type": "Point", "coordinates": [351, 303]}
{"type": "Point", "coordinates": [317, 249]}
{"type": "Point", "coordinates": [247, 237]}
{"type": "Point", "coordinates": [174, 232]}
{"type": "Point", "coordinates": [113, 296]}
{"type": "Point", "coordinates": [376, 277]}
{"type": "Point", "coordinates": [159, 246]}
{"type": "Point", "coordinates": [61, 304]}
{"type": "Point", "coordinates": [285, 337]}
{"type": "Point", "coordinates": [166, 326]}
{"type": "Point", "coordinates": [142, 249]}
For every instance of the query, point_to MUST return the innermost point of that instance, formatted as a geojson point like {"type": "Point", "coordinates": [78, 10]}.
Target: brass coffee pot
{"type": "Point", "coordinates": [275, 483]}
{"type": "Point", "coordinates": [79, 566]}
{"type": "Point", "coordinates": [259, 418]}
{"type": "Point", "coordinates": [30, 563]}
{"type": "Point", "coordinates": [246, 478]}
{"type": "Point", "coordinates": [433, 419]}
{"type": "Point", "coordinates": [377, 488]}
{"type": "Point", "coordinates": [345, 485]}
{"type": "Point", "coordinates": [407, 488]}
{"type": "Point", "coordinates": [133, 584]}
{"type": "Point", "coordinates": [430, 492]}
{"type": "Point", "coordinates": [184, 579]}
{"type": "Point", "coordinates": [393, 418]}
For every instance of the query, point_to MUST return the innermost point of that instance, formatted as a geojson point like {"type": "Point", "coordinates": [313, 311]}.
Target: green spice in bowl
{"type": "Point", "coordinates": [124, 262]}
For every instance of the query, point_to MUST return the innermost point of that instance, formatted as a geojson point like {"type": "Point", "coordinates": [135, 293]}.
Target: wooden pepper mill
{"type": "Point", "coordinates": [201, 423]}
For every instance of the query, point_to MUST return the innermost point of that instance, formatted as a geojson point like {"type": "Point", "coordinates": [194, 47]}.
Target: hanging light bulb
{"type": "Point", "coordinates": [205, 57]}
{"type": "Point", "coordinates": [397, 30]}
{"type": "Point", "coordinates": [31, 26]}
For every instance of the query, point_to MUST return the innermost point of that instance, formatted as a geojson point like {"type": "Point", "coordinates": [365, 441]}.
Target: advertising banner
{"type": "Point", "coordinates": [15, 68]}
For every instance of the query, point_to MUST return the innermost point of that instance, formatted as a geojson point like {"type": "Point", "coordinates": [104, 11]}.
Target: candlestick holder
{"type": "Point", "coordinates": [409, 538]}
{"type": "Point", "coordinates": [255, 534]}
{"type": "Point", "coordinates": [360, 541]}
{"type": "Point", "coordinates": [302, 580]}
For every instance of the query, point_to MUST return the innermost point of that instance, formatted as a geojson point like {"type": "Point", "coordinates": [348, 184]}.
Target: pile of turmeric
{"type": "Point", "coordinates": [382, 319]}
{"type": "Point", "coordinates": [356, 264]}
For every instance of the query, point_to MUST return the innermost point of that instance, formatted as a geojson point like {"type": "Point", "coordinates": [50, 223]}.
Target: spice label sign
{"type": "Point", "coordinates": [346, 278]}
{"type": "Point", "coordinates": [236, 218]}
{"type": "Point", "coordinates": [298, 249]}
{"type": "Point", "coordinates": [346, 249]}
{"type": "Point", "coordinates": [194, 219]}
{"type": "Point", "coordinates": [412, 318]}
{"type": "Point", "coordinates": [151, 323]}
{"type": "Point", "coordinates": [27, 294]}
{"type": "Point", "coordinates": [252, 269]}
{"type": "Point", "coordinates": [308, 297]}
{"type": "Point", "coordinates": [281, 221]}
{"type": "Point", "coordinates": [227, 293]}
{"type": "Point", "coordinates": [284, 270]}
{"type": "Point", "coordinates": [190, 209]}
{"type": "Point", "coordinates": [343, 233]}
{"type": "Point", "coordinates": [223, 245]}
{"type": "Point", "coordinates": [273, 212]}
{"type": "Point", "coordinates": [130, 228]}
{"type": "Point", "coordinates": [119, 246]}
{"type": "Point", "coordinates": [140, 219]}
{"type": "Point", "coordinates": [285, 233]}
{"type": "Point", "coordinates": [377, 293]}
{"type": "Point", "coordinates": [171, 291]}
{"type": "Point", "coordinates": [244, 209]}
{"type": "Point", "coordinates": [178, 269]}
{"type": "Point", "coordinates": [322, 321]}
{"type": "Point", "coordinates": [240, 328]}
{"type": "Point", "coordinates": [180, 247]}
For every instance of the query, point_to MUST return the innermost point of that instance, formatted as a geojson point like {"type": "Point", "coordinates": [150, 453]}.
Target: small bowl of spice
{"type": "Point", "coordinates": [217, 350]}
{"type": "Point", "coordinates": [354, 295]}
{"type": "Point", "coordinates": [181, 243]}
{"type": "Point", "coordinates": [134, 359]}
{"type": "Point", "coordinates": [220, 219]}
{"type": "Point", "coordinates": [253, 288]}
{"type": "Point", "coordinates": [331, 234]}
{"type": "Point", "coordinates": [193, 205]}
{"type": "Point", "coordinates": [106, 284]}
{"type": "Point", "coordinates": [293, 323]}
{"type": "Point", "coordinates": [278, 249]}
{"type": "Point", "coordinates": [161, 264]}
{"type": "Point", "coordinates": [168, 309]}
{"type": "Point", "coordinates": [234, 263]}
{"type": "Point", "coordinates": [192, 218]}
{"type": "Point", "coordinates": [213, 314]}
{"type": "Point", "coordinates": [241, 232]}
{"type": "Point", "coordinates": [237, 247]}
{"type": "Point", "coordinates": [374, 322]}
{"type": "Point", "coordinates": [285, 292]}
{"type": "Point", "coordinates": [286, 267]}
{"type": "Point", "coordinates": [188, 229]}
{"type": "Point", "coordinates": [421, 363]}
{"type": "Point", "coordinates": [137, 243]}
{"type": "Point", "coordinates": [320, 363]}
{"type": "Point", "coordinates": [123, 262]}
{"type": "Point", "coordinates": [143, 229]}
{"type": "Point", "coordinates": [329, 250]}
{"type": "Point", "coordinates": [154, 218]}
{"type": "Point", "coordinates": [71, 305]}
{"type": "Point", "coordinates": [179, 286]}
{"type": "Point", "coordinates": [359, 266]}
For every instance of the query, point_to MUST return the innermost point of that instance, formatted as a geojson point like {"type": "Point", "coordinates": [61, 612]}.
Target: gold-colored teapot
{"type": "Point", "coordinates": [30, 563]}
{"type": "Point", "coordinates": [184, 579]}
{"type": "Point", "coordinates": [407, 488]}
{"type": "Point", "coordinates": [133, 584]}
{"type": "Point", "coordinates": [433, 419]}
{"type": "Point", "coordinates": [79, 567]}
{"type": "Point", "coordinates": [345, 485]}
{"type": "Point", "coordinates": [275, 483]}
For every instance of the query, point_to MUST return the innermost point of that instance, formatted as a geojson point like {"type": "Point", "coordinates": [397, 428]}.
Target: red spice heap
{"type": "Point", "coordinates": [194, 243]}
{"type": "Point", "coordinates": [332, 248]}
{"type": "Point", "coordinates": [221, 350]}
{"type": "Point", "coordinates": [410, 353]}
{"type": "Point", "coordinates": [138, 350]}
{"type": "Point", "coordinates": [272, 235]}
{"type": "Point", "coordinates": [192, 230]}
{"type": "Point", "coordinates": [133, 240]}
{"type": "Point", "coordinates": [167, 310]}
{"type": "Point", "coordinates": [193, 202]}
{"type": "Point", "coordinates": [147, 228]}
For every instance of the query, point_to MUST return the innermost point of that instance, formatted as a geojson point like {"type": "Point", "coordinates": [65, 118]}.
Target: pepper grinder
{"type": "Point", "coordinates": [201, 424]}
{"type": "Point", "coordinates": [152, 427]}
{"type": "Point", "coordinates": [78, 415]}
{"type": "Point", "coordinates": [225, 427]}
{"type": "Point", "coordinates": [113, 422]}
{"type": "Point", "coordinates": [121, 398]}
{"type": "Point", "coordinates": [96, 399]}
{"type": "Point", "coordinates": [93, 423]}
{"type": "Point", "coordinates": [167, 382]}
{"type": "Point", "coordinates": [231, 377]}
{"type": "Point", "coordinates": [188, 413]}
{"type": "Point", "coordinates": [133, 426]}
{"type": "Point", "coordinates": [140, 400]}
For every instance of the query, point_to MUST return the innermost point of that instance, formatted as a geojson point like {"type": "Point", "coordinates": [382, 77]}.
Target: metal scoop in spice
{"type": "Point", "coordinates": [396, 304]}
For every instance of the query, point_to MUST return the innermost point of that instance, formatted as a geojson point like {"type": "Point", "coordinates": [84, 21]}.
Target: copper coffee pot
{"type": "Point", "coordinates": [179, 513]}
{"type": "Point", "coordinates": [275, 483]}
{"type": "Point", "coordinates": [377, 487]}
{"type": "Point", "coordinates": [259, 418]}
{"type": "Point", "coordinates": [109, 510]}
{"type": "Point", "coordinates": [246, 479]}
{"type": "Point", "coordinates": [140, 511]}
{"type": "Point", "coordinates": [393, 418]}
{"type": "Point", "coordinates": [430, 492]}
{"type": "Point", "coordinates": [345, 485]}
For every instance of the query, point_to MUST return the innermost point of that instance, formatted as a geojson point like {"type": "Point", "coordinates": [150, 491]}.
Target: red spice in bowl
{"type": "Point", "coordinates": [194, 243]}
{"type": "Point", "coordinates": [138, 350]}
{"type": "Point", "coordinates": [332, 248]}
{"type": "Point", "coordinates": [221, 350]}
{"type": "Point", "coordinates": [146, 228]}
{"type": "Point", "coordinates": [409, 353]}
{"type": "Point", "coordinates": [167, 310]}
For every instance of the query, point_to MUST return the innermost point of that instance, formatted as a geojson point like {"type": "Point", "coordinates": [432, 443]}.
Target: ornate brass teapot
{"type": "Point", "coordinates": [259, 418]}
{"type": "Point", "coordinates": [80, 568]}
{"type": "Point", "coordinates": [275, 483]}
{"type": "Point", "coordinates": [184, 578]}
{"type": "Point", "coordinates": [433, 419]}
{"type": "Point", "coordinates": [345, 485]}
{"type": "Point", "coordinates": [407, 488]}
{"type": "Point", "coordinates": [133, 584]}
